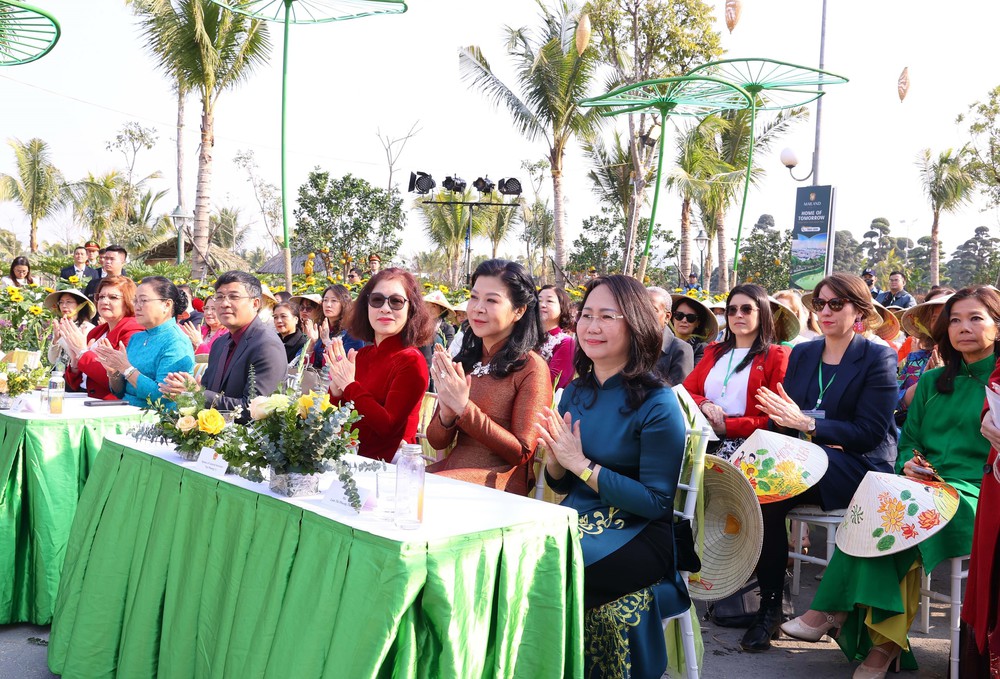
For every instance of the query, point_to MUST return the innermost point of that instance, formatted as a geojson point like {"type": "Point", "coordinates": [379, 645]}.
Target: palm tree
{"type": "Point", "coordinates": [948, 182]}
{"type": "Point", "coordinates": [499, 221]}
{"type": "Point", "coordinates": [208, 49]}
{"type": "Point", "coordinates": [93, 201]}
{"type": "Point", "coordinates": [446, 223]}
{"type": "Point", "coordinates": [553, 76]}
{"type": "Point", "coordinates": [226, 229]}
{"type": "Point", "coordinates": [39, 187]}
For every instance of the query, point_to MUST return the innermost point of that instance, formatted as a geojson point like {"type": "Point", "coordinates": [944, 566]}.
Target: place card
{"type": "Point", "coordinates": [335, 495]}
{"type": "Point", "coordinates": [211, 463]}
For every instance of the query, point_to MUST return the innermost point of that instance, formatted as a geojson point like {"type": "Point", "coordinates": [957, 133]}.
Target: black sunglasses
{"type": "Point", "coordinates": [745, 309]}
{"type": "Point", "coordinates": [377, 300]}
{"type": "Point", "coordinates": [836, 303]}
{"type": "Point", "coordinates": [690, 318]}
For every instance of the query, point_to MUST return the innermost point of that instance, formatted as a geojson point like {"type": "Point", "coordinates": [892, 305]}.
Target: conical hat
{"type": "Point", "coordinates": [890, 513]}
{"type": "Point", "coordinates": [692, 413]}
{"type": "Point", "coordinates": [778, 466]}
{"type": "Point", "coordinates": [732, 536]}
{"type": "Point", "coordinates": [711, 328]}
{"type": "Point", "coordinates": [52, 301]}
{"type": "Point", "coordinates": [916, 320]}
{"type": "Point", "coordinates": [786, 323]}
{"type": "Point", "coordinates": [889, 328]}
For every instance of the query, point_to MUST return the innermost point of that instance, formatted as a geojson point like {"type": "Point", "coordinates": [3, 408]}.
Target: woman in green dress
{"type": "Point", "coordinates": [873, 600]}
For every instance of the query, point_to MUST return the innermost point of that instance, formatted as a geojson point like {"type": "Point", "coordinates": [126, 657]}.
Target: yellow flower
{"type": "Point", "coordinates": [310, 280]}
{"type": "Point", "coordinates": [892, 517]}
{"type": "Point", "coordinates": [312, 255]}
{"type": "Point", "coordinates": [35, 310]}
{"type": "Point", "coordinates": [211, 421]}
{"type": "Point", "coordinates": [50, 290]}
{"type": "Point", "coordinates": [178, 281]}
{"type": "Point", "coordinates": [325, 404]}
{"type": "Point", "coordinates": [443, 288]}
{"type": "Point", "coordinates": [11, 290]}
{"type": "Point", "coordinates": [186, 424]}
{"type": "Point", "coordinates": [279, 402]}
{"type": "Point", "coordinates": [305, 403]}
{"type": "Point", "coordinates": [16, 297]}
{"type": "Point", "coordinates": [74, 279]}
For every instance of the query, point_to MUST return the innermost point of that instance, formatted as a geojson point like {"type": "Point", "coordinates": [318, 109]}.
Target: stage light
{"type": "Point", "coordinates": [421, 182]}
{"type": "Point", "coordinates": [509, 186]}
{"type": "Point", "coordinates": [454, 184]}
{"type": "Point", "coordinates": [483, 185]}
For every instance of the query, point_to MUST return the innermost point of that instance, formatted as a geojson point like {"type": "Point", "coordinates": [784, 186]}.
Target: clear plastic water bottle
{"type": "Point", "coordinates": [410, 487]}
{"type": "Point", "coordinates": [57, 389]}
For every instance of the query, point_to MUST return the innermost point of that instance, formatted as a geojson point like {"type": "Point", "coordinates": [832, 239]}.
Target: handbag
{"type": "Point", "coordinates": [740, 608]}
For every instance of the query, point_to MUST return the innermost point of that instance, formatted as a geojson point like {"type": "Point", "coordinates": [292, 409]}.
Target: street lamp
{"type": "Point", "coordinates": [181, 218]}
{"type": "Point", "coordinates": [701, 240]}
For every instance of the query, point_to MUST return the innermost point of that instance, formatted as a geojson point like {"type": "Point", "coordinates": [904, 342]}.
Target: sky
{"type": "Point", "coordinates": [350, 81]}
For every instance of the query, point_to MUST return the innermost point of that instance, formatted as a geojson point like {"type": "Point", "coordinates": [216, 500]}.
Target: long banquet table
{"type": "Point", "coordinates": [170, 572]}
{"type": "Point", "coordinates": [44, 463]}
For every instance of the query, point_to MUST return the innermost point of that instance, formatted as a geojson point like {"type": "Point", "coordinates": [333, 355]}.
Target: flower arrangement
{"type": "Point", "coordinates": [24, 323]}
{"type": "Point", "coordinates": [22, 381]}
{"type": "Point", "coordinates": [190, 426]}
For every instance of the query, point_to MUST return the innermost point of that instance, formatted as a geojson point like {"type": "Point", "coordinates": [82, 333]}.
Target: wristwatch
{"type": "Point", "coordinates": [588, 472]}
{"type": "Point", "coordinates": [811, 430]}
{"type": "Point", "coordinates": [128, 372]}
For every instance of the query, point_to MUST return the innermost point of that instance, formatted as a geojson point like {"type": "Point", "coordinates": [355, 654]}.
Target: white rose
{"type": "Point", "coordinates": [260, 408]}
{"type": "Point", "coordinates": [186, 424]}
{"type": "Point", "coordinates": [190, 410]}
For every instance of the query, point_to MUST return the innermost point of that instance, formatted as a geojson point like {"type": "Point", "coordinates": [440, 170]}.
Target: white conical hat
{"type": "Point", "coordinates": [692, 413]}
{"type": "Point", "coordinates": [778, 466]}
{"type": "Point", "coordinates": [733, 532]}
{"type": "Point", "coordinates": [890, 513]}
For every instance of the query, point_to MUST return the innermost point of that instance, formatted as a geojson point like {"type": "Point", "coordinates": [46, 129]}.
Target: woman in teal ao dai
{"type": "Point", "coordinates": [874, 600]}
{"type": "Point", "coordinates": [615, 449]}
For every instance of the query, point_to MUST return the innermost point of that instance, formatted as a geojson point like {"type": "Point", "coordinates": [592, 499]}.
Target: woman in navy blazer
{"type": "Point", "coordinates": [839, 391]}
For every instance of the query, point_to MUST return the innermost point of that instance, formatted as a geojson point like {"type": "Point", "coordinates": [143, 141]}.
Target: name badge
{"type": "Point", "coordinates": [211, 463]}
{"type": "Point", "coordinates": [815, 414]}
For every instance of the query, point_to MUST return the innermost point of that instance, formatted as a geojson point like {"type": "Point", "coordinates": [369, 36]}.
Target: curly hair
{"type": "Point", "coordinates": [420, 323]}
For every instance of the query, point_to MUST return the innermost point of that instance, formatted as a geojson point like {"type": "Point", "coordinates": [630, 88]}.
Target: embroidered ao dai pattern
{"type": "Point", "coordinates": [640, 453]}
{"type": "Point", "coordinates": [557, 350]}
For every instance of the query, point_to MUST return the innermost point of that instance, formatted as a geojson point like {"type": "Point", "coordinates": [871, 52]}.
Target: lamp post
{"type": "Point", "coordinates": [181, 218]}
{"type": "Point", "coordinates": [701, 240]}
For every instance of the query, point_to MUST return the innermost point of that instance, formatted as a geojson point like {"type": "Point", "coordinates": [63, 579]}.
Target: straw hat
{"type": "Point", "coordinates": [732, 532]}
{"type": "Point", "coordinates": [786, 323]}
{"type": "Point", "coordinates": [778, 466]}
{"type": "Point", "coordinates": [437, 297]}
{"type": "Point", "coordinates": [462, 306]}
{"type": "Point", "coordinates": [312, 297]}
{"type": "Point", "coordinates": [916, 320]}
{"type": "Point", "coordinates": [52, 301]}
{"type": "Point", "coordinates": [711, 324]}
{"type": "Point", "coordinates": [267, 297]}
{"type": "Point", "coordinates": [889, 329]}
{"type": "Point", "coordinates": [890, 513]}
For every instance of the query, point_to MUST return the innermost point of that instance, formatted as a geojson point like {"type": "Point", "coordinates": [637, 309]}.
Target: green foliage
{"type": "Point", "coordinates": [984, 133]}
{"type": "Point", "coordinates": [976, 261]}
{"type": "Point", "coordinates": [24, 380]}
{"type": "Point", "coordinates": [24, 323]}
{"type": "Point", "coordinates": [39, 188]}
{"type": "Point", "coordinates": [601, 244]}
{"type": "Point", "coordinates": [347, 215]}
{"type": "Point", "coordinates": [765, 258]}
{"type": "Point", "coordinates": [847, 253]}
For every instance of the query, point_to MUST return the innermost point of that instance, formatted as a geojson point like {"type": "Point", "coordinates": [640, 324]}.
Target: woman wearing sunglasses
{"type": "Point", "coordinates": [694, 323]}
{"type": "Point", "coordinates": [749, 357]}
{"type": "Point", "coordinates": [840, 392]}
{"type": "Point", "coordinates": [387, 379]}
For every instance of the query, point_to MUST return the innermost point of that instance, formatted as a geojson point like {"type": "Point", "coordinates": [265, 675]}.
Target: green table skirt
{"type": "Point", "coordinates": [170, 573]}
{"type": "Point", "coordinates": [44, 464]}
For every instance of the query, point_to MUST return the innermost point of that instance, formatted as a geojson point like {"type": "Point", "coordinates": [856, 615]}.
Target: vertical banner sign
{"type": "Point", "coordinates": [812, 237]}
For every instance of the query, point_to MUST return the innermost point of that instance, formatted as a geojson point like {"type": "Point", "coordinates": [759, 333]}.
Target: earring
{"type": "Point", "coordinates": [859, 326]}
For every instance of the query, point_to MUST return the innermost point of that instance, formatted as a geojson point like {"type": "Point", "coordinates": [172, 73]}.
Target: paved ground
{"type": "Point", "coordinates": [23, 649]}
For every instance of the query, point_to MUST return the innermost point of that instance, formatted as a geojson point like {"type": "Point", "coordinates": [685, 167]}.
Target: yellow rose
{"type": "Point", "coordinates": [211, 421]}
{"type": "Point", "coordinates": [305, 403]}
{"type": "Point", "coordinates": [186, 424]}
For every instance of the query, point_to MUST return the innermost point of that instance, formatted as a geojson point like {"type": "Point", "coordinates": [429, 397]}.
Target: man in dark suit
{"type": "Point", "coordinates": [676, 356]}
{"type": "Point", "coordinates": [112, 264]}
{"type": "Point", "coordinates": [79, 267]}
{"type": "Point", "coordinates": [250, 343]}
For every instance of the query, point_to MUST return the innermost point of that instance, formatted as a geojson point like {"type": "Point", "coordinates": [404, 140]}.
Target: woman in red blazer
{"type": "Point", "coordinates": [723, 384]}
{"type": "Point", "coordinates": [115, 297]}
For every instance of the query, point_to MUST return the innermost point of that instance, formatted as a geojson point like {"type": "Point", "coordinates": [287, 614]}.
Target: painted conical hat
{"type": "Point", "coordinates": [786, 323]}
{"type": "Point", "coordinates": [890, 513]}
{"type": "Point", "coordinates": [778, 466]}
{"type": "Point", "coordinates": [732, 532]}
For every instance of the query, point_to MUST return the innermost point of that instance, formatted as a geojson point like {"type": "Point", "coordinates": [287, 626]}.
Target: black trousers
{"type": "Point", "coordinates": [642, 561]}
{"type": "Point", "coordinates": [774, 551]}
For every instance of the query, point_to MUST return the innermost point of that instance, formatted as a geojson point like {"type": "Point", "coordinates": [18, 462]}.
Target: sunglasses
{"type": "Point", "coordinates": [377, 301]}
{"type": "Point", "coordinates": [836, 303]}
{"type": "Point", "coordinates": [690, 318]}
{"type": "Point", "coordinates": [745, 309]}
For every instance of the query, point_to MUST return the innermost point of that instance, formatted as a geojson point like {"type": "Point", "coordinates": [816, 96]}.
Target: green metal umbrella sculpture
{"type": "Point", "coordinates": [692, 95]}
{"type": "Point", "coordinates": [290, 12]}
{"type": "Point", "coordinates": [26, 33]}
{"type": "Point", "coordinates": [773, 85]}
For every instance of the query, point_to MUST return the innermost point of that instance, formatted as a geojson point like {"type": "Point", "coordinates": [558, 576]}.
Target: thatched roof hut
{"type": "Point", "coordinates": [219, 259]}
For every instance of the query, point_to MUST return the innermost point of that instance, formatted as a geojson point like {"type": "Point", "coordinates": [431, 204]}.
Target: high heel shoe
{"type": "Point", "coordinates": [879, 672]}
{"type": "Point", "coordinates": [798, 629]}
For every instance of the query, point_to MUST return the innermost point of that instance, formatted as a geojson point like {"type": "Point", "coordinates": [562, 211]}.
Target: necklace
{"type": "Point", "coordinates": [480, 370]}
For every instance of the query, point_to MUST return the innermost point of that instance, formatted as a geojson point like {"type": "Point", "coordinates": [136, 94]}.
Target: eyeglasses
{"type": "Point", "coordinates": [142, 301]}
{"type": "Point", "coordinates": [109, 298]}
{"type": "Point", "coordinates": [836, 303]}
{"type": "Point", "coordinates": [377, 300]}
{"type": "Point", "coordinates": [231, 298]}
{"type": "Point", "coordinates": [745, 309]}
{"type": "Point", "coordinates": [690, 318]}
{"type": "Point", "coordinates": [601, 319]}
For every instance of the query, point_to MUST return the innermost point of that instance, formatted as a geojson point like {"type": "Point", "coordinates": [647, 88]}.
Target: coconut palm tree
{"type": "Point", "coordinates": [499, 221]}
{"type": "Point", "coordinates": [948, 182]}
{"type": "Point", "coordinates": [94, 203]}
{"type": "Point", "coordinates": [446, 223]}
{"type": "Point", "coordinates": [208, 49]}
{"type": "Point", "coordinates": [38, 188]}
{"type": "Point", "coordinates": [552, 76]}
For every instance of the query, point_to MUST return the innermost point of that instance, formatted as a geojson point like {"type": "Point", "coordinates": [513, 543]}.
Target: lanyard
{"type": "Point", "coordinates": [729, 373]}
{"type": "Point", "coordinates": [822, 387]}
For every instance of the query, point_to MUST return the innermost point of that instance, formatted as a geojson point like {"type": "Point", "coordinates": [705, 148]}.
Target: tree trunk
{"type": "Point", "coordinates": [203, 198]}
{"type": "Point", "coordinates": [685, 240]}
{"type": "Point", "coordinates": [558, 226]}
{"type": "Point", "coordinates": [631, 231]}
{"type": "Point", "coordinates": [33, 240]}
{"type": "Point", "coordinates": [707, 269]}
{"type": "Point", "coordinates": [180, 145]}
{"type": "Point", "coordinates": [720, 233]}
{"type": "Point", "coordinates": [935, 254]}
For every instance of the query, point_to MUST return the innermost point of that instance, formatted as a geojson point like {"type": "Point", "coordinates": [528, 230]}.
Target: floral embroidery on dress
{"type": "Point", "coordinates": [551, 342]}
{"type": "Point", "coordinates": [595, 523]}
{"type": "Point", "coordinates": [480, 370]}
{"type": "Point", "coordinates": [606, 633]}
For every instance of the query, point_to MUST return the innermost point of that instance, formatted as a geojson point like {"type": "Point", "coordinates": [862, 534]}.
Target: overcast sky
{"type": "Point", "coordinates": [350, 80]}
